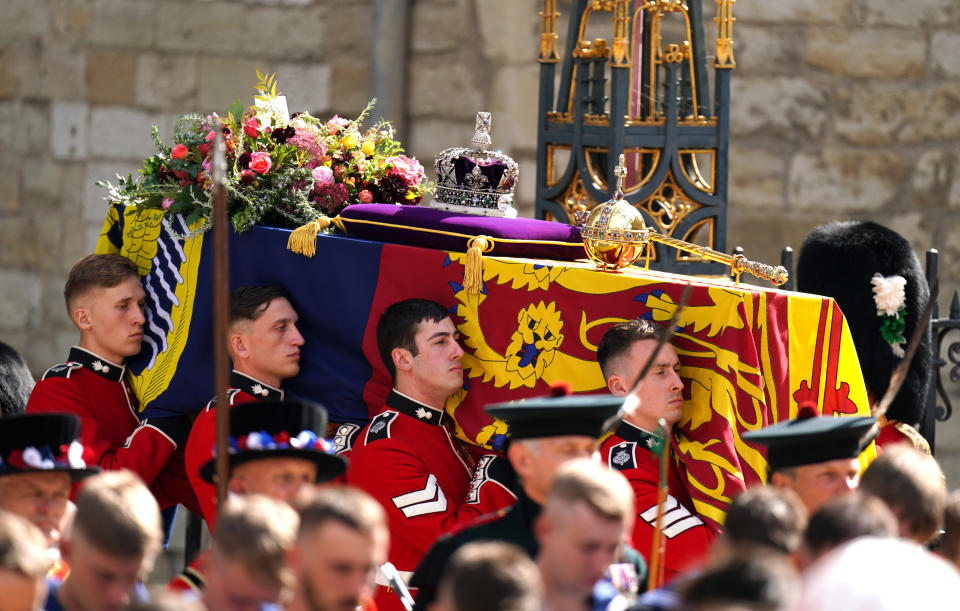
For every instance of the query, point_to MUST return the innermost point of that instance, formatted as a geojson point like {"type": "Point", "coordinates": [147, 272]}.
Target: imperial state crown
{"type": "Point", "coordinates": [476, 180]}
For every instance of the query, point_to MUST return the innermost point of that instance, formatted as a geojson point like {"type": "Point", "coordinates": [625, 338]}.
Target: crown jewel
{"type": "Point", "coordinates": [476, 180]}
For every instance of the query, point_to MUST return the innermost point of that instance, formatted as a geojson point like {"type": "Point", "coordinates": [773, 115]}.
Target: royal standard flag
{"type": "Point", "coordinates": [749, 356]}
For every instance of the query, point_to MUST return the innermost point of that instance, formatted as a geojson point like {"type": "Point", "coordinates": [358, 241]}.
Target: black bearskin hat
{"type": "Point", "coordinates": [838, 260]}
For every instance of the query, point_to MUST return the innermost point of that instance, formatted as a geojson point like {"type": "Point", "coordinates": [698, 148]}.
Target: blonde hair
{"type": "Point", "coordinates": [22, 547]}
{"type": "Point", "coordinates": [118, 515]}
{"type": "Point", "coordinates": [607, 493]}
{"type": "Point", "coordinates": [257, 531]}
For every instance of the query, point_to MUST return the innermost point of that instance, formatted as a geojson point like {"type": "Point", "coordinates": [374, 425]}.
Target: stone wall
{"type": "Point", "coordinates": [841, 108]}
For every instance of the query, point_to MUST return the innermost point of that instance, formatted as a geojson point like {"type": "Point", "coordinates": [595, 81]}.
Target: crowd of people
{"type": "Point", "coordinates": [584, 509]}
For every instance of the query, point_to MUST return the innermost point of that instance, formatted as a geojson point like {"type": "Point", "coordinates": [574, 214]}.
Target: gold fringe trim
{"type": "Point", "coordinates": [473, 268]}
{"type": "Point", "coordinates": [303, 239]}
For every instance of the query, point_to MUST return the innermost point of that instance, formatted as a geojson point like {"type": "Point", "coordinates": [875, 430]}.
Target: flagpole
{"type": "Point", "coordinates": [221, 305]}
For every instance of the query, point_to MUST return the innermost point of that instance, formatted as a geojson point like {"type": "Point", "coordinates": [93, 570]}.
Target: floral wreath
{"type": "Point", "coordinates": [262, 440]}
{"type": "Point", "coordinates": [890, 299]}
{"type": "Point", "coordinates": [69, 456]}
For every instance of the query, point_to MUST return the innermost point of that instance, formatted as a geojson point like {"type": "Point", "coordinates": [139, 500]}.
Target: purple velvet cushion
{"type": "Point", "coordinates": [421, 226]}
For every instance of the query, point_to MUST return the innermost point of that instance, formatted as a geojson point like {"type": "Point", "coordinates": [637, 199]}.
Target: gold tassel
{"type": "Point", "coordinates": [303, 239]}
{"type": "Point", "coordinates": [473, 269]}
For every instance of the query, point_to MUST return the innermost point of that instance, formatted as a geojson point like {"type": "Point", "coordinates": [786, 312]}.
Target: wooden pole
{"type": "Point", "coordinates": [221, 307]}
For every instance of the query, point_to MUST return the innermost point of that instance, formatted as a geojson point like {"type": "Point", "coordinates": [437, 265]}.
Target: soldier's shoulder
{"type": "Point", "coordinates": [61, 370]}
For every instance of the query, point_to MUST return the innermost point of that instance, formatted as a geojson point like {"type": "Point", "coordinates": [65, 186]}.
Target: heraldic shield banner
{"type": "Point", "coordinates": [749, 356]}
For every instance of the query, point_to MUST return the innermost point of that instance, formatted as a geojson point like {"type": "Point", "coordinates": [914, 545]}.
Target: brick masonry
{"type": "Point", "coordinates": [841, 109]}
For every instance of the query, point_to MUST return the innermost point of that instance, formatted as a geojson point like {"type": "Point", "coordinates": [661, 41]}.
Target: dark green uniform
{"type": "Point", "coordinates": [512, 525]}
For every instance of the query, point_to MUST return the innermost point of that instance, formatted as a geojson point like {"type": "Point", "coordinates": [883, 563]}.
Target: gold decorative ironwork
{"type": "Point", "coordinates": [725, 21]}
{"type": "Point", "coordinates": [668, 206]}
{"type": "Point", "coordinates": [672, 53]}
{"type": "Point", "coordinates": [689, 161]}
{"type": "Point", "coordinates": [548, 33]}
{"type": "Point", "coordinates": [552, 149]}
{"type": "Point", "coordinates": [621, 35]}
{"type": "Point", "coordinates": [559, 117]}
{"type": "Point", "coordinates": [575, 199]}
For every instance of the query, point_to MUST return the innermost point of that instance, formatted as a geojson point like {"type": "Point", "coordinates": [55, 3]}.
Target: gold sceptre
{"type": "Point", "coordinates": [614, 236]}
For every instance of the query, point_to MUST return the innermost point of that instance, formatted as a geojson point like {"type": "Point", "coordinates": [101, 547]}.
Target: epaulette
{"type": "Point", "coordinates": [63, 370]}
{"type": "Point", "coordinates": [380, 427]}
{"type": "Point", "coordinates": [919, 441]}
{"type": "Point", "coordinates": [623, 456]}
{"type": "Point", "coordinates": [345, 437]}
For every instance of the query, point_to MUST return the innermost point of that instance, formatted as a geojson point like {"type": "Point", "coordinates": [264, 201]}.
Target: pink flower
{"type": "Point", "coordinates": [365, 196]}
{"type": "Point", "coordinates": [252, 127]}
{"type": "Point", "coordinates": [166, 203]}
{"type": "Point", "coordinates": [207, 165]}
{"type": "Point", "coordinates": [408, 167]}
{"type": "Point", "coordinates": [322, 175]}
{"type": "Point", "coordinates": [210, 136]}
{"type": "Point", "coordinates": [336, 124]}
{"type": "Point", "coordinates": [260, 162]}
{"type": "Point", "coordinates": [179, 152]}
{"type": "Point", "coordinates": [306, 139]}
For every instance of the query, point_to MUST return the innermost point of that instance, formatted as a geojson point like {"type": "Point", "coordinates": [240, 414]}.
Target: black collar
{"type": "Point", "coordinates": [631, 432]}
{"type": "Point", "coordinates": [254, 387]}
{"type": "Point", "coordinates": [97, 364]}
{"type": "Point", "coordinates": [413, 408]}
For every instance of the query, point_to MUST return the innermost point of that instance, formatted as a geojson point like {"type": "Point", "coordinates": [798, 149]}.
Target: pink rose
{"type": "Point", "coordinates": [322, 175]}
{"type": "Point", "coordinates": [408, 167]}
{"type": "Point", "coordinates": [336, 124]}
{"type": "Point", "coordinates": [252, 127]}
{"type": "Point", "coordinates": [179, 152]}
{"type": "Point", "coordinates": [365, 196]}
{"type": "Point", "coordinates": [166, 203]}
{"type": "Point", "coordinates": [260, 162]}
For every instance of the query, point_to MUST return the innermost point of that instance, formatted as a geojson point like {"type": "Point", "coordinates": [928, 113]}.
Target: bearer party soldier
{"type": "Point", "coordinates": [623, 351]}
{"type": "Point", "coordinates": [277, 449]}
{"type": "Point", "coordinates": [106, 303]}
{"type": "Point", "coordinates": [264, 343]}
{"type": "Point", "coordinates": [406, 458]}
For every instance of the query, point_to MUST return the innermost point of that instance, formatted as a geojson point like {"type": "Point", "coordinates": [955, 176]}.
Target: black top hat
{"type": "Point", "coordinates": [810, 439]}
{"type": "Point", "coordinates": [42, 442]}
{"type": "Point", "coordinates": [276, 429]}
{"type": "Point", "coordinates": [551, 416]}
{"type": "Point", "coordinates": [839, 260]}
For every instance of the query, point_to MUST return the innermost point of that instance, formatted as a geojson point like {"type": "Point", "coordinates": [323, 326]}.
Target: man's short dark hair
{"type": "Point", "coordinates": [617, 340]}
{"type": "Point", "coordinates": [755, 581]}
{"type": "Point", "coordinates": [398, 327]}
{"type": "Point", "coordinates": [912, 485]}
{"type": "Point", "coordinates": [845, 518]}
{"type": "Point", "coordinates": [249, 302]}
{"type": "Point", "coordinates": [766, 517]}
{"type": "Point", "coordinates": [492, 575]}
{"type": "Point", "coordinates": [96, 271]}
{"type": "Point", "coordinates": [350, 507]}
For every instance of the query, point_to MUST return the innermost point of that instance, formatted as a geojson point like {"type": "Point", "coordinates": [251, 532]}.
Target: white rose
{"type": "Point", "coordinates": [75, 456]}
{"type": "Point", "coordinates": [888, 293]}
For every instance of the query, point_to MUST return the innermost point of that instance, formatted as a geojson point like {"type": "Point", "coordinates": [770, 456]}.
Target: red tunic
{"type": "Point", "coordinates": [112, 434]}
{"type": "Point", "coordinates": [407, 460]}
{"type": "Point", "coordinates": [686, 539]}
{"type": "Point", "coordinates": [203, 438]}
